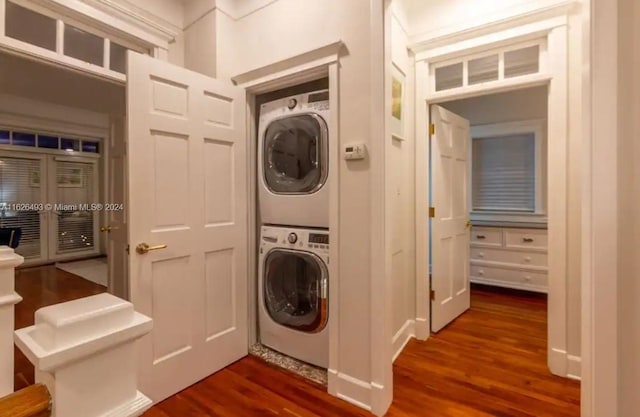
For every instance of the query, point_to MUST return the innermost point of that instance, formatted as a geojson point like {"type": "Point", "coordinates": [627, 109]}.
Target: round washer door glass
{"type": "Point", "coordinates": [295, 154]}
{"type": "Point", "coordinates": [295, 288]}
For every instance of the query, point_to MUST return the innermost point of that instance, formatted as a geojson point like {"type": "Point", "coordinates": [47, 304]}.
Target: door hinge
{"type": "Point", "coordinates": [432, 294]}
{"type": "Point", "coordinates": [127, 249]}
{"type": "Point", "coordinates": [432, 212]}
{"type": "Point", "coordinates": [432, 129]}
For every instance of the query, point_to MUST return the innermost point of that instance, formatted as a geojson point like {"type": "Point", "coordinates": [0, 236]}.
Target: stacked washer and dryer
{"type": "Point", "coordinates": [293, 279]}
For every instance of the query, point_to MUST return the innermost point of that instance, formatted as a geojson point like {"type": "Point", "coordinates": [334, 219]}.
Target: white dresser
{"type": "Point", "coordinates": [509, 257]}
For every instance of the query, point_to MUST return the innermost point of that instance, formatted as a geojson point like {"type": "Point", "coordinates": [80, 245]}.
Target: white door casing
{"type": "Point", "coordinates": [450, 231]}
{"type": "Point", "coordinates": [115, 218]}
{"type": "Point", "coordinates": [188, 190]}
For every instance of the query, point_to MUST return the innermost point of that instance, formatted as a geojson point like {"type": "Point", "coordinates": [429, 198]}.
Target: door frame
{"type": "Point", "coordinates": [319, 63]}
{"type": "Point", "coordinates": [554, 73]}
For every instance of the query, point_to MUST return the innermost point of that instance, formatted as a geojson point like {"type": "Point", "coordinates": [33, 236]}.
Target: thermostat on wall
{"type": "Point", "coordinates": [355, 151]}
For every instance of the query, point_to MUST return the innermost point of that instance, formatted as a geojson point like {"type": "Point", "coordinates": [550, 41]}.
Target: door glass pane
{"type": "Point", "coordinates": [19, 192]}
{"type": "Point", "coordinates": [522, 61]}
{"type": "Point", "coordinates": [83, 45]}
{"type": "Point", "coordinates": [69, 144]}
{"type": "Point", "coordinates": [5, 137]}
{"type": "Point", "coordinates": [292, 291]}
{"type": "Point", "coordinates": [31, 27]}
{"type": "Point", "coordinates": [90, 146]}
{"type": "Point", "coordinates": [118, 56]}
{"type": "Point", "coordinates": [293, 151]}
{"type": "Point", "coordinates": [49, 142]}
{"type": "Point", "coordinates": [24, 139]}
{"type": "Point", "coordinates": [74, 192]}
{"type": "Point", "coordinates": [449, 77]}
{"type": "Point", "coordinates": [483, 69]}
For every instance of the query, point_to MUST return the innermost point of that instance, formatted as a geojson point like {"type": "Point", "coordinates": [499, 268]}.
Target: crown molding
{"type": "Point", "coordinates": [458, 33]}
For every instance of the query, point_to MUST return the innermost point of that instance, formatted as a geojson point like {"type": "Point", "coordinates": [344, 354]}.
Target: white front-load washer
{"type": "Point", "coordinates": [293, 284]}
{"type": "Point", "coordinates": [293, 160]}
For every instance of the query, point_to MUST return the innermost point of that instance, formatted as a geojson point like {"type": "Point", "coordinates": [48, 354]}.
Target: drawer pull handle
{"type": "Point", "coordinates": [527, 278]}
{"type": "Point", "coordinates": [481, 272]}
{"type": "Point", "coordinates": [481, 255]}
{"type": "Point", "coordinates": [481, 237]}
{"type": "Point", "coordinates": [527, 259]}
{"type": "Point", "coordinates": [527, 239]}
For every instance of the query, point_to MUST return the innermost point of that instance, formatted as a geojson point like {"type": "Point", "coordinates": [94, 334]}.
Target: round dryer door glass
{"type": "Point", "coordinates": [295, 290]}
{"type": "Point", "coordinates": [295, 154]}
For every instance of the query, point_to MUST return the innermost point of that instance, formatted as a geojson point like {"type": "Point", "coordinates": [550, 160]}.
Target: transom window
{"type": "Point", "coordinates": [41, 28]}
{"type": "Point", "coordinates": [49, 142]}
{"type": "Point", "coordinates": [500, 64]}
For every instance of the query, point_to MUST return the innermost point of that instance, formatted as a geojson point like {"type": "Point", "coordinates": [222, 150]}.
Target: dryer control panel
{"type": "Point", "coordinates": [306, 239]}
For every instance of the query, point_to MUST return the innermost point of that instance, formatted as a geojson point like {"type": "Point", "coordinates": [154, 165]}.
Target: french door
{"type": "Point", "coordinates": [51, 199]}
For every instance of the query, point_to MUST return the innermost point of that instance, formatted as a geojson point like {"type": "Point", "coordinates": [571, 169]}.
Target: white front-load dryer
{"type": "Point", "coordinates": [293, 160]}
{"type": "Point", "coordinates": [293, 286]}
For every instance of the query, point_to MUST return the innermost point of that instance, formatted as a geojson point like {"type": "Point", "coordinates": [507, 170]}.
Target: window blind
{"type": "Point", "coordinates": [19, 202]}
{"type": "Point", "coordinates": [74, 190]}
{"type": "Point", "coordinates": [503, 173]}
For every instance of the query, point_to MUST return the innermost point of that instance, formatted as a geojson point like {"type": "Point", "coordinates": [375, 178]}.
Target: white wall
{"type": "Point", "coordinates": [438, 18]}
{"type": "Point", "coordinates": [400, 177]}
{"type": "Point", "coordinates": [526, 104]}
{"type": "Point", "coordinates": [628, 209]}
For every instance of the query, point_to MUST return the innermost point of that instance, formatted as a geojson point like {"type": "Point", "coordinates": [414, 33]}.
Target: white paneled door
{"type": "Point", "coordinates": [188, 191]}
{"type": "Point", "coordinates": [449, 227]}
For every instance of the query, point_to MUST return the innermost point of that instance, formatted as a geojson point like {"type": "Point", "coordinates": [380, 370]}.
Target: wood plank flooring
{"type": "Point", "coordinates": [491, 361]}
{"type": "Point", "coordinates": [41, 287]}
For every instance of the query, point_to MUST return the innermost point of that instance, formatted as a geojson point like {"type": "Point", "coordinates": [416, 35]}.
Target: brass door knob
{"type": "Point", "coordinates": [468, 223]}
{"type": "Point", "coordinates": [143, 248]}
{"type": "Point", "coordinates": [105, 229]}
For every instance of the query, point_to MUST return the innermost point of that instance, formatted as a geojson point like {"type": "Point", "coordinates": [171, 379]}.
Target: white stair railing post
{"type": "Point", "coordinates": [9, 260]}
{"type": "Point", "coordinates": [85, 352]}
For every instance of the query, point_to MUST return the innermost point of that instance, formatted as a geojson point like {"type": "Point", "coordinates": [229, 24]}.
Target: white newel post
{"type": "Point", "coordinates": [85, 352]}
{"type": "Point", "coordinates": [8, 299]}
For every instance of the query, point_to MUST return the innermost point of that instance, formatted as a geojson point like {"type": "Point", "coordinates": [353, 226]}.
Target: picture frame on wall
{"type": "Point", "coordinates": [397, 102]}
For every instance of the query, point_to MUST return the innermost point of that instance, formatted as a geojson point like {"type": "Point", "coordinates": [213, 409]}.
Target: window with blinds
{"type": "Point", "coordinates": [75, 192]}
{"type": "Point", "coordinates": [503, 173]}
{"type": "Point", "coordinates": [20, 193]}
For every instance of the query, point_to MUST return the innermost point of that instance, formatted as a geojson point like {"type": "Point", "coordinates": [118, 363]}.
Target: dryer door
{"type": "Point", "coordinates": [295, 154]}
{"type": "Point", "coordinates": [295, 290]}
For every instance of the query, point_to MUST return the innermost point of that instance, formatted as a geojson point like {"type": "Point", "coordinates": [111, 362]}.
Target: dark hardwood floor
{"type": "Point", "coordinates": [41, 287]}
{"type": "Point", "coordinates": [491, 361]}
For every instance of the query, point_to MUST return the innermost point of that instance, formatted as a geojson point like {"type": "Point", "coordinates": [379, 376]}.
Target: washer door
{"type": "Point", "coordinates": [295, 154]}
{"type": "Point", "coordinates": [295, 290]}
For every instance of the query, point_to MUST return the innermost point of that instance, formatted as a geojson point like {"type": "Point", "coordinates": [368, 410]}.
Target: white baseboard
{"type": "Point", "coordinates": [350, 389]}
{"type": "Point", "coordinates": [402, 337]}
{"type": "Point", "coordinates": [574, 367]}
{"type": "Point", "coordinates": [564, 365]}
{"type": "Point", "coordinates": [422, 329]}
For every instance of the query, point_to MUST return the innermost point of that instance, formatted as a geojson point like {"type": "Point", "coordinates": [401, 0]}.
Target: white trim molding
{"type": "Point", "coordinates": [297, 69]}
{"type": "Point", "coordinates": [402, 337]}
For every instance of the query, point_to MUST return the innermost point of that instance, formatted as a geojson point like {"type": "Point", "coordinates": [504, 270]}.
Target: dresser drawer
{"type": "Point", "coordinates": [486, 236]}
{"type": "Point", "coordinates": [509, 277]}
{"type": "Point", "coordinates": [526, 238]}
{"type": "Point", "coordinates": [512, 257]}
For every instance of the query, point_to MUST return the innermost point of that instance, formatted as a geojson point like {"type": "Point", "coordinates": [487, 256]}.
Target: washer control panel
{"type": "Point", "coordinates": [295, 238]}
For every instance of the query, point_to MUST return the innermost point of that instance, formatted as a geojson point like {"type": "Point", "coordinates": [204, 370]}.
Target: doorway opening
{"type": "Point", "coordinates": [62, 186]}
{"type": "Point", "coordinates": [489, 233]}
